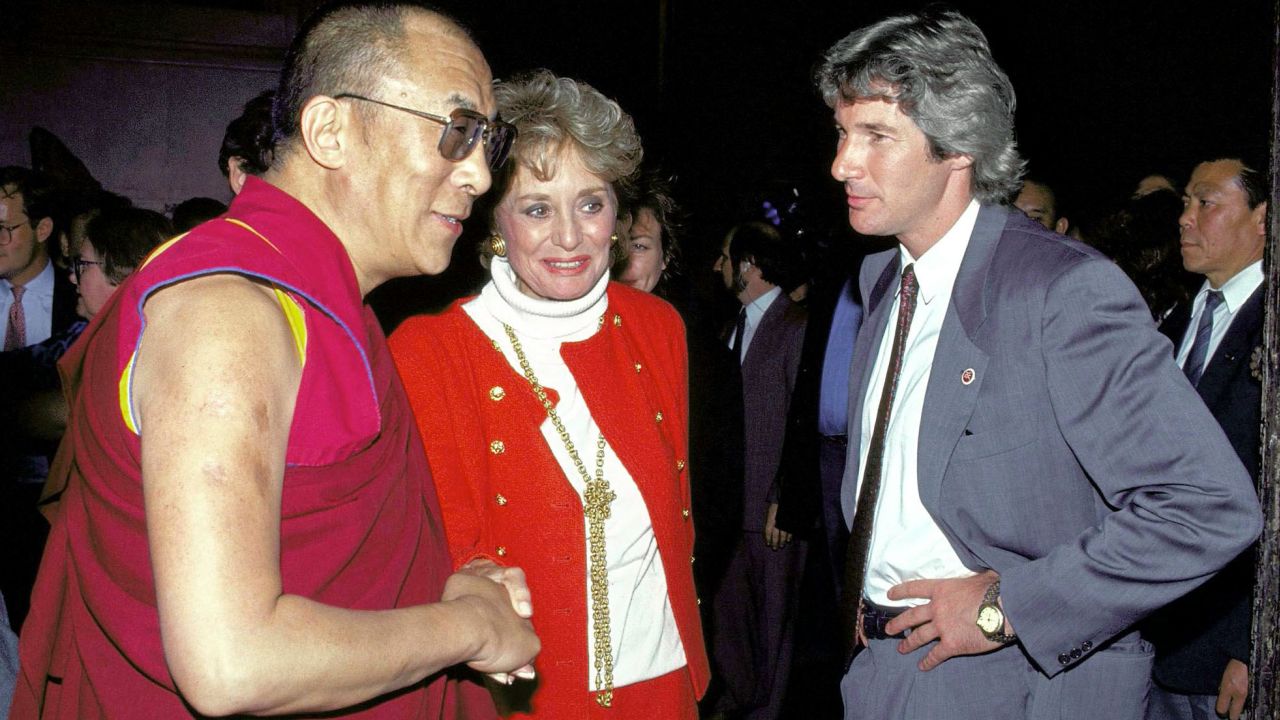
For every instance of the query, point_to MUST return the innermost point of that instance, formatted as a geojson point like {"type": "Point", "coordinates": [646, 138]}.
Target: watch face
{"type": "Point", "coordinates": [990, 619]}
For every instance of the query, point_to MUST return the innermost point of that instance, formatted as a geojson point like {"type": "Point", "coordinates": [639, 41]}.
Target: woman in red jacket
{"type": "Point", "coordinates": [554, 410]}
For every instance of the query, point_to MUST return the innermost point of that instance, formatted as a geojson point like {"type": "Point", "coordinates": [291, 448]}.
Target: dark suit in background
{"type": "Point", "coordinates": [715, 462]}
{"type": "Point", "coordinates": [812, 466]}
{"type": "Point", "coordinates": [808, 490]}
{"type": "Point", "coordinates": [1196, 635]}
{"type": "Point", "coordinates": [64, 301]}
{"type": "Point", "coordinates": [24, 459]}
{"type": "Point", "coordinates": [756, 602]}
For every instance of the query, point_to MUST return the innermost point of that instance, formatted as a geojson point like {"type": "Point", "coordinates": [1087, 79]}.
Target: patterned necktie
{"type": "Point", "coordinates": [855, 569]}
{"type": "Point", "coordinates": [16, 336]}
{"type": "Point", "coordinates": [739, 329]}
{"type": "Point", "coordinates": [1194, 366]}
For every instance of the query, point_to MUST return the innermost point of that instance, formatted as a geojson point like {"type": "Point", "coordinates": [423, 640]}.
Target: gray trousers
{"type": "Point", "coordinates": [883, 684]}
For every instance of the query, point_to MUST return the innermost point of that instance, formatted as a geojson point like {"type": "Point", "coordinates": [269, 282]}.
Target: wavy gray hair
{"type": "Point", "coordinates": [553, 112]}
{"type": "Point", "coordinates": [938, 67]}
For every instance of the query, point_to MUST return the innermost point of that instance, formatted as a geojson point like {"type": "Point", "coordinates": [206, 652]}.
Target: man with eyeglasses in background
{"type": "Point", "coordinates": [48, 300]}
{"type": "Point", "coordinates": [248, 523]}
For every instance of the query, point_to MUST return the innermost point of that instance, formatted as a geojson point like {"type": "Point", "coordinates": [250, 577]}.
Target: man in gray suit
{"type": "Point", "coordinates": [756, 602]}
{"type": "Point", "coordinates": [1029, 473]}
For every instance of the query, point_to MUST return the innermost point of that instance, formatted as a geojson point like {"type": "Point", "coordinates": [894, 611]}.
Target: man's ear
{"type": "Point", "coordinates": [325, 127]}
{"type": "Point", "coordinates": [1061, 226]}
{"type": "Point", "coordinates": [959, 162]}
{"type": "Point", "coordinates": [236, 174]}
{"type": "Point", "coordinates": [1260, 218]}
{"type": "Point", "coordinates": [44, 229]}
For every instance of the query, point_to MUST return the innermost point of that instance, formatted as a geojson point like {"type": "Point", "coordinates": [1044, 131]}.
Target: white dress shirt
{"type": "Point", "coordinates": [643, 634]}
{"type": "Point", "coordinates": [755, 312]}
{"type": "Point", "coordinates": [1235, 292]}
{"type": "Point", "coordinates": [37, 305]}
{"type": "Point", "coordinates": [906, 544]}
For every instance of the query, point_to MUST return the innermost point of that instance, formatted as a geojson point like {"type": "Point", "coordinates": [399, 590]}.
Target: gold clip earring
{"type": "Point", "coordinates": [614, 237]}
{"type": "Point", "coordinates": [498, 245]}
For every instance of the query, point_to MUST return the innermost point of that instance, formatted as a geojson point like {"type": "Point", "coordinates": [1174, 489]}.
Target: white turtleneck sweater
{"type": "Point", "coordinates": [645, 641]}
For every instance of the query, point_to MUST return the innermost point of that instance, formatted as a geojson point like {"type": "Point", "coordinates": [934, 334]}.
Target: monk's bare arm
{"type": "Point", "coordinates": [215, 383]}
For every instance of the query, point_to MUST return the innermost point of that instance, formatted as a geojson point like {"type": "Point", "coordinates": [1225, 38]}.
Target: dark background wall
{"type": "Point", "coordinates": [721, 92]}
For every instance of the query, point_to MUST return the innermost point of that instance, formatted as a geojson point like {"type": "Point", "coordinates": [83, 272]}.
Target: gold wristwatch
{"type": "Point", "coordinates": [991, 617]}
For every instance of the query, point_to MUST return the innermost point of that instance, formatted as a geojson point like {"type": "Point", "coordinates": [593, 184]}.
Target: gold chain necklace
{"type": "Point", "coordinates": [598, 496]}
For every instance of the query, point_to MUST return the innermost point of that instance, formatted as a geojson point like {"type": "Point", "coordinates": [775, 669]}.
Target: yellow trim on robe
{"type": "Point", "coordinates": [294, 314]}
{"type": "Point", "coordinates": [126, 408]}
{"type": "Point", "coordinates": [297, 318]}
{"type": "Point", "coordinates": [244, 225]}
{"type": "Point", "coordinates": [159, 249]}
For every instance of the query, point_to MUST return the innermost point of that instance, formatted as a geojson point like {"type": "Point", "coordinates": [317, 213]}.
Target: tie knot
{"type": "Point", "coordinates": [17, 292]}
{"type": "Point", "coordinates": [1212, 300]}
{"type": "Point", "coordinates": [909, 287]}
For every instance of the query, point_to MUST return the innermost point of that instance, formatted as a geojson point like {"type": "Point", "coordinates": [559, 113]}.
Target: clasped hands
{"type": "Point", "coordinates": [949, 617]}
{"type": "Point", "coordinates": [502, 596]}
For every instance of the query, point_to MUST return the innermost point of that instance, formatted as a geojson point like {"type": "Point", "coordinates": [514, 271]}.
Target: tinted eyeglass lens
{"type": "Point", "coordinates": [460, 135]}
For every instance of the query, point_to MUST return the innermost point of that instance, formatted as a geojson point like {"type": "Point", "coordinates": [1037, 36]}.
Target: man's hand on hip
{"type": "Point", "coordinates": [950, 617]}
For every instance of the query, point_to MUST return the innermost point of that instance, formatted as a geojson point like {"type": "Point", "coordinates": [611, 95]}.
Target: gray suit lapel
{"type": "Point", "coordinates": [949, 401]}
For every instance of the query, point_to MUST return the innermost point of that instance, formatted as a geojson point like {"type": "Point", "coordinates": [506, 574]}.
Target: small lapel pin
{"type": "Point", "coordinates": [967, 376]}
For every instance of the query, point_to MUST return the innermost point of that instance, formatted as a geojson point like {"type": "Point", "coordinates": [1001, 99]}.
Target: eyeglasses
{"type": "Point", "coordinates": [7, 231]}
{"type": "Point", "coordinates": [462, 130]}
{"type": "Point", "coordinates": [78, 265]}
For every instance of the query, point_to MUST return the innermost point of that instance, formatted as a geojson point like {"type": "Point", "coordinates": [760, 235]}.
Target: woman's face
{"type": "Point", "coordinates": [646, 261]}
{"type": "Point", "coordinates": [91, 283]}
{"type": "Point", "coordinates": [557, 231]}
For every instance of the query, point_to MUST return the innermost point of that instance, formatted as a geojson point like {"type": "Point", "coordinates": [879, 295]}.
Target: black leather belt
{"type": "Point", "coordinates": [875, 617]}
{"type": "Point", "coordinates": [841, 440]}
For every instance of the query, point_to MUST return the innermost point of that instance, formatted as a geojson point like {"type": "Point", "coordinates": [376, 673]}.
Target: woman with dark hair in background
{"type": "Point", "coordinates": [652, 251]}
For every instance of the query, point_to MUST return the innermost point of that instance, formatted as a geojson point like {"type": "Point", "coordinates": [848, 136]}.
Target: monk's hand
{"type": "Point", "coordinates": [949, 617]}
{"type": "Point", "coordinates": [774, 538]}
{"type": "Point", "coordinates": [501, 595]}
{"type": "Point", "coordinates": [1233, 690]}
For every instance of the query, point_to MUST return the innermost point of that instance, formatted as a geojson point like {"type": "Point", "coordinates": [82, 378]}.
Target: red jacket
{"type": "Point", "coordinates": [503, 494]}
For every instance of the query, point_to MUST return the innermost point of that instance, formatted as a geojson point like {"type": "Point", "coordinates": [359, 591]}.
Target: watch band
{"type": "Point", "coordinates": [992, 598]}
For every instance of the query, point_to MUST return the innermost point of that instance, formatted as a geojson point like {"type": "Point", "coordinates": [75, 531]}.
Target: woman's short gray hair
{"type": "Point", "coordinates": [551, 115]}
{"type": "Point", "coordinates": [938, 67]}
{"type": "Point", "coordinates": [554, 113]}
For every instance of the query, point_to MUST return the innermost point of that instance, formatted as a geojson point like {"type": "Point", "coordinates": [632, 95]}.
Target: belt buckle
{"type": "Point", "coordinates": [874, 621]}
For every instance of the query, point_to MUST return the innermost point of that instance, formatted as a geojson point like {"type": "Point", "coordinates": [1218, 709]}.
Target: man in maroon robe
{"type": "Point", "coordinates": [247, 523]}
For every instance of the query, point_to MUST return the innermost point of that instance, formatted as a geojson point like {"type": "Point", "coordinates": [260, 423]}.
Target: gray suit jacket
{"type": "Point", "coordinates": [1066, 464]}
{"type": "Point", "coordinates": [768, 375]}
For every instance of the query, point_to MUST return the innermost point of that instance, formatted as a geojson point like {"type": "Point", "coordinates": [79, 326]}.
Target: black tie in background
{"type": "Point", "coordinates": [869, 492]}
{"type": "Point", "coordinates": [739, 329]}
{"type": "Point", "coordinates": [1194, 367]}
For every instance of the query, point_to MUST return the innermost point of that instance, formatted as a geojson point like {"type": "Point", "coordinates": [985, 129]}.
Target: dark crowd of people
{"type": "Point", "coordinates": [974, 455]}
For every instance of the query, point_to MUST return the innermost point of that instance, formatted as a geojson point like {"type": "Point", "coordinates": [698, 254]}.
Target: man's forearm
{"type": "Point", "coordinates": [309, 657]}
